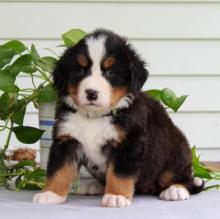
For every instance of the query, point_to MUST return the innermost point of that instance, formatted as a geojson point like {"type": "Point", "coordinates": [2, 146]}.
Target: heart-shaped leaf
{"type": "Point", "coordinates": [47, 63]}
{"type": "Point", "coordinates": [19, 112]}
{"type": "Point", "coordinates": [27, 134]}
{"type": "Point", "coordinates": [47, 94]}
{"type": "Point", "coordinates": [15, 45]}
{"type": "Point", "coordinates": [23, 64]}
{"type": "Point", "coordinates": [73, 36]}
{"type": "Point", "coordinates": [4, 106]}
{"type": "Point", "coordinates": [7, 82]}
{"type": "Point", "coordinates": [156, 94]}
{"type": "Point", "coordinates": [169, 99]}
{"type": "Point", "coordinates": [6, 55]}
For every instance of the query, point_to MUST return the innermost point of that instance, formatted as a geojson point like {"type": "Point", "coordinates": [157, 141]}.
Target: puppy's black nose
{"type": "Point", "coordinates": [91, 94]}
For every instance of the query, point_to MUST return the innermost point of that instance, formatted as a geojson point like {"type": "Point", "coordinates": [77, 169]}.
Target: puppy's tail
{"type": "Point", "coordinates": [196, 186]}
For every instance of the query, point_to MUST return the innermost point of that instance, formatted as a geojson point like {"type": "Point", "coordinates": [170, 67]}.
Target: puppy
{"type": "Point", "coordinates": [124, 138]}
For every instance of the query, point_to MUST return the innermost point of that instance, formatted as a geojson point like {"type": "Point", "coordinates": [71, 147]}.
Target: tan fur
{"type": "Point", "coordinates": [82, 60]}
{"type": "Point", "coordinates": [73, 92]}
{"type": "Point", "coordinates": [63, 137]}
{"type": "Point", "coordinates": [117, 185]}
{"type": "Point", "coordinates": [108, 62]}
{"type": "Point", "coordinates": [166, 179]}
{"type": "Point", "coordinates": [61, 181]}
{"type": "Point", "coordinates": [116, 95]}
{"type": "Point", "coordinates": [180, 186]}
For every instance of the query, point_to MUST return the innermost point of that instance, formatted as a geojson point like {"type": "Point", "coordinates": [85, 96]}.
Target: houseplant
{"type": "Point", "coordinates": [16, 58]}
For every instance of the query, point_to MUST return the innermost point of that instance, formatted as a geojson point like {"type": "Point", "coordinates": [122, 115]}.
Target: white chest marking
{"type": "Point", "coordinates": [91, 133]}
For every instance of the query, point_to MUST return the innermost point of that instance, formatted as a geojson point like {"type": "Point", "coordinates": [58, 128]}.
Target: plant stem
{"type": "Point", "coordinates": [5, 147]}
{"type": "Point", "coordinates": [32, 79]}
{"type": "Point", "coordinates": [217, 186]}
{"type": "Point", "coordinates": [3, 127]}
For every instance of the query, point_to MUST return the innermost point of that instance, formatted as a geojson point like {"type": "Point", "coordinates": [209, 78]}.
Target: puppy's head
{"type": "Point", "coordinates": [99, 72]}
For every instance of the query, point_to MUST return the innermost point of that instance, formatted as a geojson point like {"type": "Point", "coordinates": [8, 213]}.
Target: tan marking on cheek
{"type": "Point", "coordinates": [116, 185]}
{"type": "Point", "coordinates": [166, 179]}
{"type": "Point", "coordinates": [108, 62]}
{"type": "Point", "coordinates": [61, 181]}
{"type": "Point", "coordinates": [82, 60]}
{"type": "Point", "coordinates": [117, 94]}
{"type": "Point", "coordinates": [73, 92]}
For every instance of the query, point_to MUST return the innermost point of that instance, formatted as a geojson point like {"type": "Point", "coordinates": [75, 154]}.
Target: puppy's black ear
{"type": "Point", "coordinates": [138, 72]}
{"type": "Point", "coordinates": [60, 78]}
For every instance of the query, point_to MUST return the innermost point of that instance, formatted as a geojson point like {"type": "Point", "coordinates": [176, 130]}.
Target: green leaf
{"type": "Point", "coordinates": [3, 179]}
{"type": "Point", "coordinates": [47, 94]}
{"type": "Point", "coordinates": [156, 94]}
{"type": "Point", "coordinates": [34, 53]}
{"type": "Point", "coordinates": [7, 82]}
{"type": "Point", "coordinates": [18, 116]}
{"type": "Point", "coordinates": [169, 99]}
{"type": "Point", "coordinates": [19, 183]}
{"type": "Point", "coordinates": [19, 110]}
{"type": "Point", "coordinates": [45, 63]}
{"type": "Point", "coordinates": [16, 46]}
{"type": "Point", "coordinates": [7, 104]}
{"type": "Point", "coordinates": [179, 102]}
{"type": "Point", "coordinates": [6, 55]}
{"type": "Point", "coordinates": [23, 64]}
{"type": "Point", "coordinates": [198, 169]}
{"type": "Point", "coordinates": [23, 164]}
{"type": "Point", "coordinates": [27, 134]}
{"type": "Point", "coordinates": [49, 63]}
{"type": "Point", "coordinates": [4, 106]}
{"type": "Point", "coordinates": [73, 36]}
{"type": "Point", "coordinates": [38, 175]}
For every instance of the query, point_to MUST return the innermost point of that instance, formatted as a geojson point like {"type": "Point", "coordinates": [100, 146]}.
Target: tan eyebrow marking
{"type": "Point", "coordinates": [82, 60]}
{"type": "Point", "coordinates": [108, 62]}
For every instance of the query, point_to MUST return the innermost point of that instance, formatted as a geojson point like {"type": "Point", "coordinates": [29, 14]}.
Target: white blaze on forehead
{"type": "Point", "coordinates": [95, 81]}
{"type": "Point", "coordinates": [96, 48]}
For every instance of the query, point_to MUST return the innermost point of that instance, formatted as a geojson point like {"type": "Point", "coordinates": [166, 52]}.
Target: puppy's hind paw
{"type": "Point", "coordinates": [175, 193]}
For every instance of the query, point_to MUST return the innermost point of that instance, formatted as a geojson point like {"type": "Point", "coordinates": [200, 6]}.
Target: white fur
{"type": "Point", "coordinates": [91, 187]}
{"type": "Point", "coordinates": [96, 49]}
{"type": "Point", "coordinates": [48, 198]}
{"type": "Point", "coordinates": [197, 181]}
{"type": "Point", "coordinates": [175, 193]}
{"type": "Point", "coordinates": [115, 201]}
{"type": "Point", "coordinates": [91, 133]}
{"type": "Point", "coordinates": [125, 102]}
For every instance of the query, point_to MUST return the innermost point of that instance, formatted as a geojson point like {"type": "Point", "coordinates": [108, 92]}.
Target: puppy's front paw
{"type": "Point", "coordinates": [115, 201]}
{"type": "Point", "coordinates": [175, 193]}
{"type": "Point", "coordinates": [48, 198]}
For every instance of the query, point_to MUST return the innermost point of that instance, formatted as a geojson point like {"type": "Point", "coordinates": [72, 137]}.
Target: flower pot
{"type": "Point", "coordinates": [46, 122]}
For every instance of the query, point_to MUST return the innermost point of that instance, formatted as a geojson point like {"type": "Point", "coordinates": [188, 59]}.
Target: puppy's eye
{"type": "Point", "coordinates": [80, 70]}
{"type": "Point", "coordinates": [109, 72]}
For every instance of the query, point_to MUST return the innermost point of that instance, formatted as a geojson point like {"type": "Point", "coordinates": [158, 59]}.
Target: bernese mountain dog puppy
{"type": "Point", "coordinates": [123, 137]}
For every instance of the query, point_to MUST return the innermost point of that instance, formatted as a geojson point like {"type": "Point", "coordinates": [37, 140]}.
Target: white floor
{"type": "Point", "coordinates": [18, 205]}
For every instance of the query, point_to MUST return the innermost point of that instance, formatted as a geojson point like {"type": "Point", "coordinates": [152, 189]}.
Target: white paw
{"type": "Point", "coordinates": [175, 193]}
{"type": "Point", "coordinates": [115, 201]}
{"type": "Point", "coordinates": [90, 188]}
{"type": "Point", "coordinates": [48, 198]}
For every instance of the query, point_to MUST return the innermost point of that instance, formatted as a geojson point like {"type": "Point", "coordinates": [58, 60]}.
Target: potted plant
{"type": "Point", "coordinates": [16, 58]}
